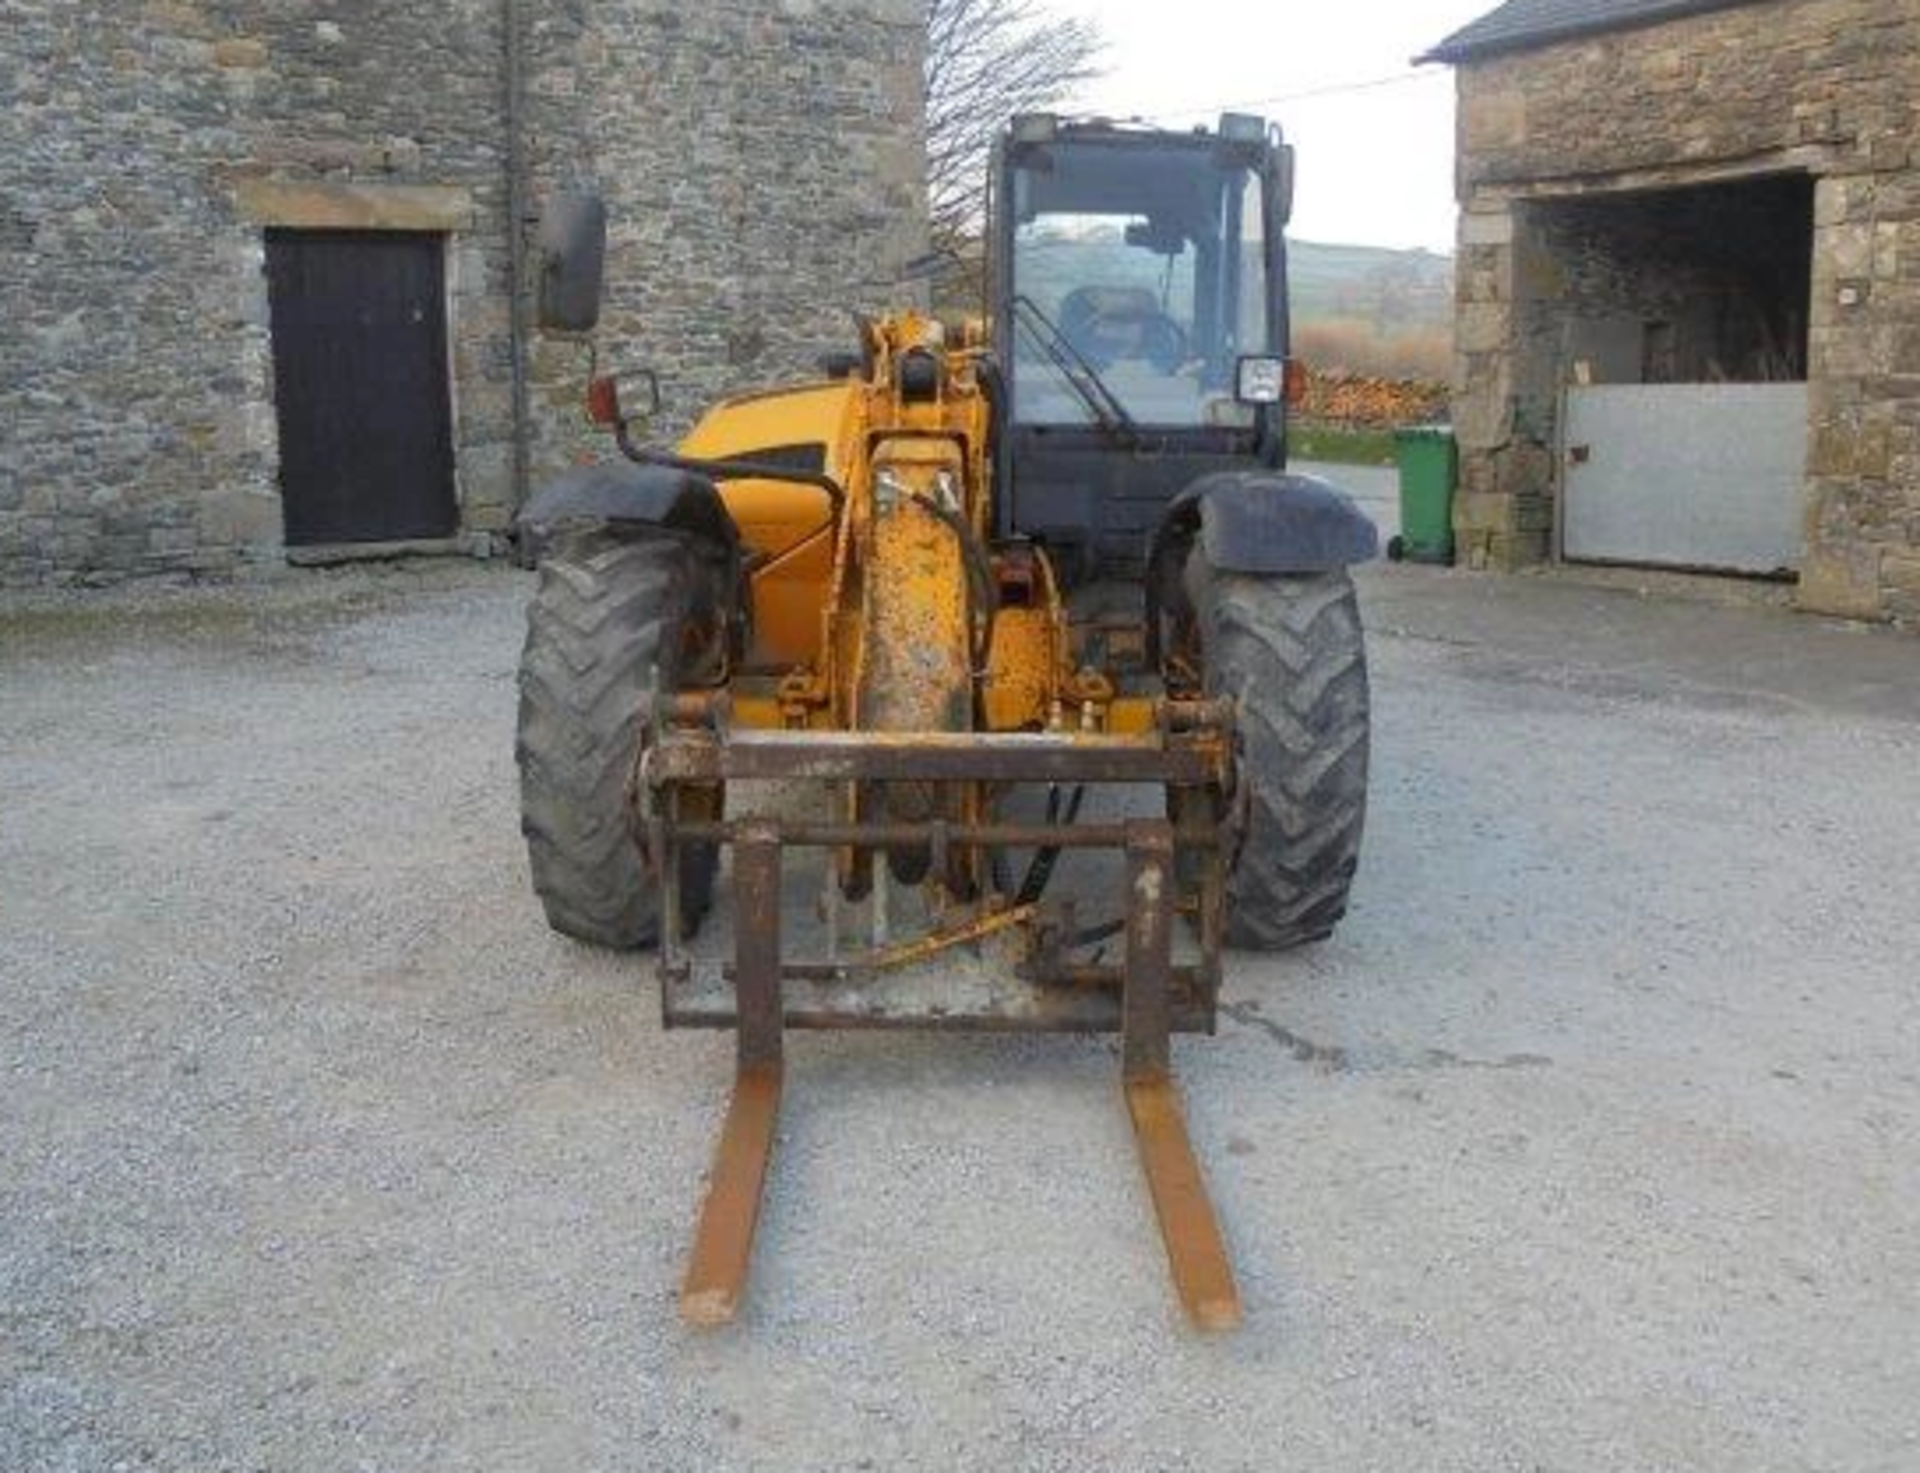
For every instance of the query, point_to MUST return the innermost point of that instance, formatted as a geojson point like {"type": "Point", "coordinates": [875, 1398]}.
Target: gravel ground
{"type": "Point", "coordinates": [1590, 1141]}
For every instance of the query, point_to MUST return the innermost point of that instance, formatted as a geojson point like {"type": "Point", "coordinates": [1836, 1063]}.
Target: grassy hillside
{"type": "Point", "coordinates": [1371, 310]}
{"type": "Point", "coordinates": [1395, 290]}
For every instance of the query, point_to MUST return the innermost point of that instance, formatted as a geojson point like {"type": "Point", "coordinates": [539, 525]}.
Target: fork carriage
{"type": "Point", "coordinates": [1031, 978]}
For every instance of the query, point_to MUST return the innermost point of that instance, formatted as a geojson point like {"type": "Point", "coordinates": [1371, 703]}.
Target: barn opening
{"type": "Point", "coordinates": [1664, 337]}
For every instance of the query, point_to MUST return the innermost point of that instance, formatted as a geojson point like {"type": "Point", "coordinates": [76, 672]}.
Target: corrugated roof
{"type": "Point", "coordinates": [1522, 23]}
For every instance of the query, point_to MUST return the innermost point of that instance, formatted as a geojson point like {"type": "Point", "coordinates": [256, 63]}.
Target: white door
{"type": "Point", "coordinates": [1685, 475]}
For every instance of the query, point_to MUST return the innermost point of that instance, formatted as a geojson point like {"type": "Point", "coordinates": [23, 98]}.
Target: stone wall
{"type": "Point", "coordinates": [762, 162]}
{"type": "Point", "coordinates": [1829, 88]}
{"type": "Point", "coordinates": [764, 173]}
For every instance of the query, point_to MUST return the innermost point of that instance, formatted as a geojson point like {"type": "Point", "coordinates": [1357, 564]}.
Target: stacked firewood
{"type": "Point", "coordinates": [1363, 401]}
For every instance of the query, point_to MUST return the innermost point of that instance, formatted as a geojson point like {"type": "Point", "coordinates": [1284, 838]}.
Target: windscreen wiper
{"type": "Point", "coordinates": [1101, 401]}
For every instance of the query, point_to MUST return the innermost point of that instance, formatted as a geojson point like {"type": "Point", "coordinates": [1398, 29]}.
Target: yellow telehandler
{"type": "Point", "coordinates": [875, 638]}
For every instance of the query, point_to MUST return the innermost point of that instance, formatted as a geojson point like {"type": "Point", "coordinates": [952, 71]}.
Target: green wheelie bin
{"type": "Point", "coordinates": [1428, 463]}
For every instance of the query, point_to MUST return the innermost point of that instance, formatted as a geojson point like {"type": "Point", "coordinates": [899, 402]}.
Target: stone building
{"type": "Point", "coordinates": [1688, 325]}
{"type": "Point", "coordinates": [257, 261]}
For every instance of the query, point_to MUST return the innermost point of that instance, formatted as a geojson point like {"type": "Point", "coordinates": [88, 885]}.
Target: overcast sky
{"type": "Point", "coordinates": [1375, 162]}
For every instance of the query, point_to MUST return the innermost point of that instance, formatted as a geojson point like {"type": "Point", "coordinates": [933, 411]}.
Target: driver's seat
{"type": "Point", "coordinates": [1103, 322]}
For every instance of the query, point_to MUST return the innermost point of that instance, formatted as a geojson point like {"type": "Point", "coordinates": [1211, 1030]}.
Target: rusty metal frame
{"type": "Point", "coordinates": [685, 756]}
{"type": "Point", "coordinates": [1147, 999]}
{"type": "Point", "coordinates": [695, 749]}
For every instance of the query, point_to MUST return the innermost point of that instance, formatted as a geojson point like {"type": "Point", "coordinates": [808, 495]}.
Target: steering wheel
{"type": "Point", "coordinates": [1108, 324]}
{"type": "Point", "coordinates": [1163, 342]}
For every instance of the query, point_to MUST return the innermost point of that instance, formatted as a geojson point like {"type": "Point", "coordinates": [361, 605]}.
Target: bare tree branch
{"type": "Point", "coordinates": [988, 60]}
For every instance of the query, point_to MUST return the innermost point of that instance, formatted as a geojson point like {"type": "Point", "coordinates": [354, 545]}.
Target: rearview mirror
{"type": "Point", "coordinates": [572, 246]}
{"type": "Point", "coordinates": [1158, 236]}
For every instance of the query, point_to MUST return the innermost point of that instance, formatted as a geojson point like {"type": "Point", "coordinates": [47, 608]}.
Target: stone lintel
{"type": "Point", "coordinates": [330, 206]}
{"type": "Point", "coordinates": [1812, 159]}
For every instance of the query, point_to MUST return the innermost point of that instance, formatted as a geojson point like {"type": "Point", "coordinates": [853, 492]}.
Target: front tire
{"type": "Point", "coordinates": [604, 632]}
{"type": "Point", "coordinates": [1288, 650]}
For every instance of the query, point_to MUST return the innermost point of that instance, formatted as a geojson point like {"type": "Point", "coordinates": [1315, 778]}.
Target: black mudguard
{"type": "Point", "coordinates": [619, 491]}
{"type": "Point", "coordinates": [1256, 521]}
{"type": "Point", "coordinates": [1268, 522]}
{"type": "Point", "coordinates": [649, 500]}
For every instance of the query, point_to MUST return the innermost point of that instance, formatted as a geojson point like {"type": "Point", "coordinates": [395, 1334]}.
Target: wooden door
{"type": "Point", "coordinates": [360, 385]}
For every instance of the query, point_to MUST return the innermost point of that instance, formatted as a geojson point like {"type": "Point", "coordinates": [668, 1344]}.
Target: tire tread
{"type": "Point", "coordinates": [1290, 651]}
{"type": "Point", "coordinates": [596, 629]}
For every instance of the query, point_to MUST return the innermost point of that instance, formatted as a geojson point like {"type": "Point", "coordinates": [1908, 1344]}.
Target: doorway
{"type": "Point", "coordinates": [361, 385]}
{"type": "Point", "coordinates": [1665, 331]}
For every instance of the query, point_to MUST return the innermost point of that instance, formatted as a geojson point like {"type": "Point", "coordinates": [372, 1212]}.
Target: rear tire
{"type": "Point", "coordinates": [604, 631]}
{"type": "Point", "coordinates": [1288, 650]}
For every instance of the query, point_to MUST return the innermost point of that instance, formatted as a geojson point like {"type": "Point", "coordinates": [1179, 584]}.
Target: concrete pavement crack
{"type": "Point", "coordinates": [1339, 1059]}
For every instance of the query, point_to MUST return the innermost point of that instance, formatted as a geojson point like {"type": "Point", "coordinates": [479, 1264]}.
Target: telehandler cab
{"type": "Point", "coordinates": [973, 573]}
